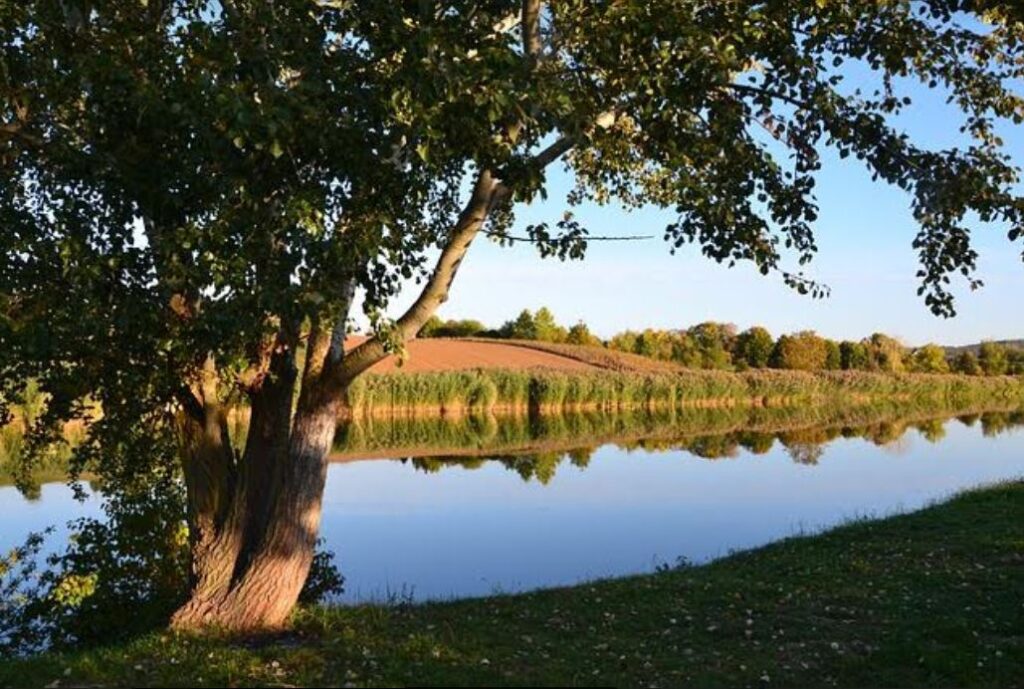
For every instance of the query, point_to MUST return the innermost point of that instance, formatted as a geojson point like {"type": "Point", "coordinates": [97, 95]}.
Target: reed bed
{"type": "Point", "coordinates": [456, 392]}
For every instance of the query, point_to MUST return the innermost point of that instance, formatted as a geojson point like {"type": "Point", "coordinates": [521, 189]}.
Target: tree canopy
{"type": "Point", "coordinates": [192, 191]}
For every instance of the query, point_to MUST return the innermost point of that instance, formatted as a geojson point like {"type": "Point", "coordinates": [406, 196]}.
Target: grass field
{"type": "Point", "coordinates": [930, 599]}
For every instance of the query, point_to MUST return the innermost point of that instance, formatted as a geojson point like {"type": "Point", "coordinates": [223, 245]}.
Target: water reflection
{"type": "Point", "coordinates": [548, 502]}
{"type": "Point", "coordinates": [438, 509]}
{"type": "Point", "coordinates": [473, 442]}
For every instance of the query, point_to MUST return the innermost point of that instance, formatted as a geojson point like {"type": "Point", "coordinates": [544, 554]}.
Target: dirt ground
{"type": "Point", "coordinates": [454, 355]}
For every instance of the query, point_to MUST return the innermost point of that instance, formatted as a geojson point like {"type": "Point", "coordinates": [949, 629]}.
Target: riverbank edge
{"type": "Point", "coordinates": [930, 598]}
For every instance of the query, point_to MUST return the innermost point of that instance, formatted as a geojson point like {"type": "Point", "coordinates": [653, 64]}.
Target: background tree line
{"type": "Point", "coordinates": [721, 346]}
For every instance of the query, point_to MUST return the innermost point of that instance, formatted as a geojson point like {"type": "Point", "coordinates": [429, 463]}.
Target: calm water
{"type": "Point", "coordinates": [435, 528]}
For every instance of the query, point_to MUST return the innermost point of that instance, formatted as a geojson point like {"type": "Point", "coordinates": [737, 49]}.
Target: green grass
{"type": "Point", "coordinates": [930, 599]}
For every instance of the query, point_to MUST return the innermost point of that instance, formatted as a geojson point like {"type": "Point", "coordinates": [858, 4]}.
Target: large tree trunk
{"type": "Point", "coordinates": [252, 553]}
{"type": "Point", "coordinates": [274, 568]}
{"type": "Point", "coordinates": [255, 530]}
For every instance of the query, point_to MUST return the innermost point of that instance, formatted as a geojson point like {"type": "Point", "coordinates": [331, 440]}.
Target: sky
{"type": "Point", "coordinates": [864, 233]}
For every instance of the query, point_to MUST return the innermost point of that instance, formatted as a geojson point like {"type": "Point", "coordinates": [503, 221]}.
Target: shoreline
{"type": "Point", "coordinates": [921, 599]}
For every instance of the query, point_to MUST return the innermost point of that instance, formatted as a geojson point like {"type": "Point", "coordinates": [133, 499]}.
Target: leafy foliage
{"type": "Point", "coordinates": [189, 188]}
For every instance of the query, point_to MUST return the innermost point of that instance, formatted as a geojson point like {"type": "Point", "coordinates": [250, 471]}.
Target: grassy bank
{"type": "Point", "coordinates": [455, 392]}
{"type": "Point", "coordinates": [934, 599]}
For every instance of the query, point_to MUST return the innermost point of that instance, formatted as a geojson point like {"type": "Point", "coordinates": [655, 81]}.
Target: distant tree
{"type": "Point", "coordinates": [580, 334]}
{"type": "Point", "coordinates": [1015, 362]}
{"type": "Point", "coordinates": [546, 329]}
{"type": "Point", "coordinates": [754, 347]}
{"type": "Point", "coordinates": [833, 356]}
{"type": "Point", "coordinates": [967, 364]}
{"type": "Point", "coordinates": [433, 324]}
{"type": "Point", "coordinates": [624, 341]}
{"type": "Point", "coordinates": [885, 353]}
{"type": "Point", "coordinates": [929, 359]}
{"type": "Point", "coordinates": [685, 351]}
{"type": "Point", "coordinates": [459, 328]}
{"type": "Point", "coordinates": [992, 359]}
{"type": "Point", "coordinates": [803, 351]}
{"type": "Point", "coordinates": [853, 356]}
{"type": "Point", "coordinates": [715, 342]}
{"type": "Point", "coordinates": [656, 344]}
{"type": "Point", "coordinates": [524, 327]}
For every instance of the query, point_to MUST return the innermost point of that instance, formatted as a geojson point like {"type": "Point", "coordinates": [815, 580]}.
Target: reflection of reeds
{"type": "Point", "coordinates": [535, 447]}
{"type": "Point", "coordinates": [709, 433]}
{"type": "Point", "coordinates": [455, 392]}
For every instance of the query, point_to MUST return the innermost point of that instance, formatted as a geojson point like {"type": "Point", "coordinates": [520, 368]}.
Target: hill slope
{"type": "Point", "coordinates": [440, 354]}
{"type": "Point", "coordinates": [974, 348]}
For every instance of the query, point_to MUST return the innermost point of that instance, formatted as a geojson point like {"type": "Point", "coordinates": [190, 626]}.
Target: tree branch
{"type": "Point", "coordinates": [435, 291]}
{"type": "Point", "coordinates": [531, 31]}
{"type": "Point", "coordinates": [530, 240]}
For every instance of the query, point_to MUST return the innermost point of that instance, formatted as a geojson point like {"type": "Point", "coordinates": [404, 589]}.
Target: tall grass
{"type": "Point", "coordinates": [544, 389]}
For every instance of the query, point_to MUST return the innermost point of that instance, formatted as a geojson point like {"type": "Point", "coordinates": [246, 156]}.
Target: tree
{"type": "Point", "coordinates": [853, 356]}
{"type": "Point", "coordinates": [929, 359]}
{"type": "Point", "coordinates": [546, 328]}
{"type": "Point", "coordinates": [625, 341]}
{"type": "Point", "coordinates": [992, 359]}
{"type": "Point", "coordinates": [833, 356]}
{"type": "Point", "coordinates": [885, 353]}
{"type": "Point", "coordinates": [193, 191]}
{"type": "Point", "coordinates": [580, 334]}
{"type": "Point", "coordinates": [715, 342]}
{"type": "Point", "coordinates": [804, 351]}
{"type": "Point", "coordinates": [656, 344]}
{"type": "Point", "coordinates": [524, 327]}
{"type": "Point", "coordinates": [453, 328]}
{"type": "Point", "coordinates": [431, 328]}
{"type": "Point", "coordinates": [967, 364]}
{"type": "Point", "coordinates": [754, 347]}
{"type": "Point", "coordinates": [1015, 361]}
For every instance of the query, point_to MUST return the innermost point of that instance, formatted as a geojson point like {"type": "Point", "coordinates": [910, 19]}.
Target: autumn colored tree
{"type": "Point", "coordinates": [833, 356]}
{"type": "Point", "coordinates": [193, 191]}
{"type": "Point", "coordinates": [580, 334]}
{"type": "Point", "coordinates": [885, 353]}
{"type": "Point", "coordinates": [930, 358]}
{"type": "Point", "coordinates": [656, 344]}
{"type": "Point", "coordinates": [804, 351]}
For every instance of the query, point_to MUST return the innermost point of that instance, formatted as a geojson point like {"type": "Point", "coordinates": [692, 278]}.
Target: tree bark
{"type": "Point", "coordinates": [265, 593]}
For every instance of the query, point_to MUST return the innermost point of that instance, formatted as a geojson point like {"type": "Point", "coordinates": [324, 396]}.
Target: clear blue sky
{"type": "Point", "coordinates": [864, 234]}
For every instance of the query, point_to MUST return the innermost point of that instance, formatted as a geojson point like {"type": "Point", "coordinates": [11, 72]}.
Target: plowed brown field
{"type": "Point", "coordinates": [455, 355]}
